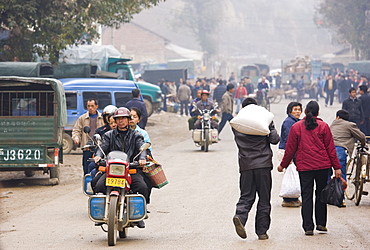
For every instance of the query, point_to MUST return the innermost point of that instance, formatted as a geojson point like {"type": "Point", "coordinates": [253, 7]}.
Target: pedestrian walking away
{"type": "Point", "coordinates": [310, 144]}
{"type": "Point", "coordinates": [184, 94]}
{"type": "Point", "coordinates": [227, 106]}
{"type": "Point", "coordinates": [255, 165]}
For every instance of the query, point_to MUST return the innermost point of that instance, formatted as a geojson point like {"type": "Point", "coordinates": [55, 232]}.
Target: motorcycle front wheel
{"type": "Point", "coordinates": [206, 139]}
{"type": "Point", "coordinates": [112, 221]}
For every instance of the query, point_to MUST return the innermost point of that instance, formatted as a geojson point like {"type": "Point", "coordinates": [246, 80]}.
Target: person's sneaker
{"type": "Point", "coordinates": [263, 237]}
{"type": "Point", "coordinates": [321, 228]}
{"type": "Point", "coordinates": [239, 228]}
{"type": "Point", "coordinates": [343, 204]}
{"type": "Point", "coordinates": [309, 232]}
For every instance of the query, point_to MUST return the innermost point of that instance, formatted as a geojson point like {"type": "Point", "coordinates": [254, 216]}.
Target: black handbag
{"type": "Point", "coordinates": [333, 193]}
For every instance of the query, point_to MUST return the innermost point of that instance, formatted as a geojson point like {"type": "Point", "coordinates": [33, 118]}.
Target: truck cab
{"type": "Point", "coordinates": [152, 94]}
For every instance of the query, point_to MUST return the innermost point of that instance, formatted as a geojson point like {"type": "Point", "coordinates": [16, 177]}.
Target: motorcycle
{"type": "Point", "coordinates": [205, 136]}
{"type": "Point", "coordinates": [119, 209]}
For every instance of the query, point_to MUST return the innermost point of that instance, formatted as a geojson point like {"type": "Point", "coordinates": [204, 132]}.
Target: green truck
{"type": "Point", "coordinates": [151, 93]}
{"type": "Point", "coordinates": [32, 116]}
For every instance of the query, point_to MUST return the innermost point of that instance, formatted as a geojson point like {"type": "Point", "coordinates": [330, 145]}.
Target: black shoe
{"type": "Point", "coordinates": [140, 224]}
{"type": "Point", "coordinates": [321, 228]}
{"type": "Point", "coordinates": [240, 230]}
{"type": "Point", "coordinates": [263, 237]}
{"type": "Point", "coordinates": [98, 223]}
{"type": "Point", "coordinates": [308, 233]}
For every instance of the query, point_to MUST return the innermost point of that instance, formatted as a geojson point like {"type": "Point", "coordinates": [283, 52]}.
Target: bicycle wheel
{"type": "Point", "coordinates": [359, 180]}
{"type": "Point", "coordinates": [351, 172]}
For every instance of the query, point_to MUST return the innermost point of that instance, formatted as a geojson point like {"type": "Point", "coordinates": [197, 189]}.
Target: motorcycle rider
{"type": "Point", "coordinates": [125, 139]}
{"type": "Point", "coordinates": [204, 104]}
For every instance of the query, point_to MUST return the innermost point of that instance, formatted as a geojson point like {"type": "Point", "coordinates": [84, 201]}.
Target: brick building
{"type": "Point", "coordinates": [135, 41]}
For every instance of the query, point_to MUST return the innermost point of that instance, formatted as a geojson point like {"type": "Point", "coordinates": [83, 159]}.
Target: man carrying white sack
{"type": "Point", "coordinates": [255, 165]}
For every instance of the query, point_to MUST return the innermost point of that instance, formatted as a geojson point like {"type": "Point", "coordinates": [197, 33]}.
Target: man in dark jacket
{"type": "Point", "coordinates": [365, 102]}
{"type": "Point", "coordinates": [329, 88]}
{"type": "Point", "coordinates": [137, 103]}
{"type": "Point", "coordinates": [255, 165]}
{"type": "Point", "coordinates": [123, 138]}
{"type": "Point", "coordinates": [354, 107]}
{"type": "Point", "coordinates": [218, 92]}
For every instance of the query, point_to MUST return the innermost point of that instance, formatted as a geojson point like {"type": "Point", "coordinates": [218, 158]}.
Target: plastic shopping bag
{"type": "Point", "coordinates": [290, 187]}
{"type": "Point", "coordinates": [333, 193]}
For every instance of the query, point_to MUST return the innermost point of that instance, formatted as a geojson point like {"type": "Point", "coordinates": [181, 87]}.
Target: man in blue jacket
{"type": "Point", "coordinates": [137, 103]}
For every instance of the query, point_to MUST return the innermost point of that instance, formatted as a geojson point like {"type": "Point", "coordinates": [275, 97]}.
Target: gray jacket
{"type": "Point", "coordinates": [184, 92]}
{"type": "Point", "coordinates": [227, 103]}
{"type": "Point", "coordinates": [254, 150]}
{"type": "Point", "coordinates": [343, 133]}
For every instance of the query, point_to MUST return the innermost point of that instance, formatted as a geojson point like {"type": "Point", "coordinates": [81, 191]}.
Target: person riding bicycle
{"type": "Point", "coordinates": [344, 132]}
{"type": "Point", "coordinates": [125, 139]}
{"type": "Point", "coordinates": [204, 104]}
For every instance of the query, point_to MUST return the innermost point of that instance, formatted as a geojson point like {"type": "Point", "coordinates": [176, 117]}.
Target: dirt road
{"type": "Point", "coordinates": [193, 212]}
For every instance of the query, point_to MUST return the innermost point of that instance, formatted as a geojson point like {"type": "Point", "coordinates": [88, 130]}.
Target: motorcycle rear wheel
{"type": "Point", "coordinates": [112, 221]}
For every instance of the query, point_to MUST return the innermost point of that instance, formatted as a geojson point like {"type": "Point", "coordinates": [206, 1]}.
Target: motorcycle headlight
{"type": "Point", "coordinates": [117, 169]}
{"type": "Point", "coordinates": [206, 116]}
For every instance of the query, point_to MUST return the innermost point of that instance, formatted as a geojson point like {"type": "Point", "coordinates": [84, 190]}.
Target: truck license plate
{"type": "Point", "coordinates": [25, 154]}
{"type": "Point", "coordinates": [115, 182]}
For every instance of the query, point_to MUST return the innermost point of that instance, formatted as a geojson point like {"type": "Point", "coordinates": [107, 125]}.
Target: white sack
{"type": "Point", "coordinates": [253, 120]}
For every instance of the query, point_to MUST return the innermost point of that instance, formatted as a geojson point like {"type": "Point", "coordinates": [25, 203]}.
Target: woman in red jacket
{"type": "Point", "coordinates": [310, 144]}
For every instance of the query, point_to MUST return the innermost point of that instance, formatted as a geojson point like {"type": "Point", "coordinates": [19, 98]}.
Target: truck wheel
{"type": "Point", "coordinates": [54, 172]}
{"type": "Point", "coordinates": [29, 173]}
{"type": "Point", "coordinates": [67, 143]}
{"type": "Point", "coordinates": [149, 106]}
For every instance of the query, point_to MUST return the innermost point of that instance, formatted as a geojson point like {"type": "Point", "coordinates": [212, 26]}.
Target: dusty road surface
{"type": "Point", "coordinates": [193, 212]}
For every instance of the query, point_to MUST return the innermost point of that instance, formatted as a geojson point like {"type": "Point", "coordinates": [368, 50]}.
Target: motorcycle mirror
{"type": "Point", "coordinates": [87, 129]}
{"type": "Point", "coordinates": [97, 137]}
{"type": "Point", "coordinates": [145, 146]}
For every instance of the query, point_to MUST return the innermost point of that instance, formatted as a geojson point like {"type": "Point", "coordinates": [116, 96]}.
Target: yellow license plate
{"type": "Point", "coordinates": [115, 182]}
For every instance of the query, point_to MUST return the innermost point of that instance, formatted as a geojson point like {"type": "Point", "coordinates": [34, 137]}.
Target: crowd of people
{"type": "Point", "coordinates": [309, 144]}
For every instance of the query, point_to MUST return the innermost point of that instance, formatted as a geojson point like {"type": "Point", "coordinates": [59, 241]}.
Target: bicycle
{"type": "Point", "coordinates": [357, 174]}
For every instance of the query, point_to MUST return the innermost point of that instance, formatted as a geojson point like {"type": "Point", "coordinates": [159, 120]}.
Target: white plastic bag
{"type": "Point", "coordinates": [290, 186]}
{"type": "Point", "coordinates": [252, 120]}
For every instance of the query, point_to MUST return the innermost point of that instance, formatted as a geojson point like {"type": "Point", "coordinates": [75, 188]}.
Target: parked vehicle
{"type": "Point", "coordinates": [206, 135]}
{"type": "Point", "coordinates": [32, 116]}
{"type": "Point", "coordinates": [119, 209]}
{"type": "Point", "coordinates": [79, 90]}
{"type": "Point", "coordinates": [152, 94]}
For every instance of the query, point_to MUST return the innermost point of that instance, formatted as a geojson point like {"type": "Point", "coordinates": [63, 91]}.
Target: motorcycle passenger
{"type": "Point", "coordinates": [204, 104]}
{"type": "Point", "coordinates": [107, 112]}
{"type": "Point", "coordinates": [125, 139]}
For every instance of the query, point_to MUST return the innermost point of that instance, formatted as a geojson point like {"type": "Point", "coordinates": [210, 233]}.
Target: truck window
{"type": "Point", "coordinates": [122, 98]}
{"type": "Point", "coordinates": [103, 98]}
{"type": "Point", "coordinates": [27, 103]}
{"type": "Point", "coordinates": [123, 74]}
{"type": "Point", "coordinates": [71, 99]}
